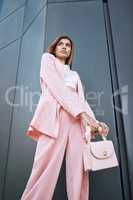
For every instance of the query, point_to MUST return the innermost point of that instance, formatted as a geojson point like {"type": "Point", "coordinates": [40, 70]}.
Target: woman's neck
{"type": "Point", "coordinates": [61, 60]}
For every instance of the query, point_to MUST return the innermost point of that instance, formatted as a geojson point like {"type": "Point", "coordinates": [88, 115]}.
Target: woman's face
{"type": "Point", "coordinates": [63, 49]}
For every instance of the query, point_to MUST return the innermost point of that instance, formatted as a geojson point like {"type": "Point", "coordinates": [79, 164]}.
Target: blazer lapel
{"type": "Point", "coordinates": [59, 67]}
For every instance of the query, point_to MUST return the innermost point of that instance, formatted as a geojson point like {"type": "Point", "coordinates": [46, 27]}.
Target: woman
{"type": "Point", "coordinates": [58, 126]}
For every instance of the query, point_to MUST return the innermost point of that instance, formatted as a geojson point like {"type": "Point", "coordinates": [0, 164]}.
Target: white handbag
{"type": "Point", "coordinates": [99, 154]}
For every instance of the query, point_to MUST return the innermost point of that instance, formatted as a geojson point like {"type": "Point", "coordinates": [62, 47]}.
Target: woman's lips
{"type": "Point", "coordinates": [63, 52]}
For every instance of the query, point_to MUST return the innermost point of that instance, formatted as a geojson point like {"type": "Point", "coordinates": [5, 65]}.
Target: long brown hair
{"type": "Point", "coordinates": [52, 46]}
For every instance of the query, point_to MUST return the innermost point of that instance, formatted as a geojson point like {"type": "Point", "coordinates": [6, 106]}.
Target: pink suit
{"type": "Point", "coordinates": [58, 130]}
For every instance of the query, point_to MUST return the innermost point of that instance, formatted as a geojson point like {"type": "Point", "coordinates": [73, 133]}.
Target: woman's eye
{"type": "Point", "coordinates": [60, 44]}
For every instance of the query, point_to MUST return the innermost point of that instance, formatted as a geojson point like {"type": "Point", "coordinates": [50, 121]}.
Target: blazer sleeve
{"type": "Point", "coordinates": [89, 111]}
{"type": "Point", "coordinates": [56, 85]}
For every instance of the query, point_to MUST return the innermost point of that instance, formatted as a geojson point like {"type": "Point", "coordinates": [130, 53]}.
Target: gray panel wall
{"type": "Point", "coordinates": [21, 42]}
{"type": "Point", "coordinates": [122, 31]}
{"type": "Point", "coordinates": [102, 52]}
{"type": "Point", "coordinates": [121, 16]}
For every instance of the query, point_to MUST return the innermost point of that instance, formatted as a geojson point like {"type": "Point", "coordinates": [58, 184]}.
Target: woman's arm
{"type": "Point", "coordinates": [88, 117]}
{"type": "Point", "coordinates": [89, 111]}
{"type": "Point", "coordinates": [50, 75]}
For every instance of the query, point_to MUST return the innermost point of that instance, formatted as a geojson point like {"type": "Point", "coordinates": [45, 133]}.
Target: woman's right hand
{"type": "Point", "coordinates": [88, 120]}
{"type": "Point", "coordinates": [97, 128]}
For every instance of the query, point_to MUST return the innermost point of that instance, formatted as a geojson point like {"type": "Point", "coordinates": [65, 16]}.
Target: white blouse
{"type": "Point", "coordinates": [70, 78]}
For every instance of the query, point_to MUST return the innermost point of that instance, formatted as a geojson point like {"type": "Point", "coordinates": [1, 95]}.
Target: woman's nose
{"type": "Point", "coordinates": [64, 47]}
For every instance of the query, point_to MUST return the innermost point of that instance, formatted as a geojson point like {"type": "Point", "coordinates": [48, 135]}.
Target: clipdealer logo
{"type": "Point", "coordinates": [28, 98]}
{"type": "Point", "coordinates": [123, 93]}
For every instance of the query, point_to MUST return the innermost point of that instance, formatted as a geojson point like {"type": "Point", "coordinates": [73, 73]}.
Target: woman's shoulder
{"type": "Point", "coordinates": [50, 55]}
{"type": "Point", "coordinates": [47, 54]}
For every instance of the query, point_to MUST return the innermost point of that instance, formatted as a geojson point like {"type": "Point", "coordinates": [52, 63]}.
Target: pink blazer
{"type": "Point", "coordinates": [54, 95]}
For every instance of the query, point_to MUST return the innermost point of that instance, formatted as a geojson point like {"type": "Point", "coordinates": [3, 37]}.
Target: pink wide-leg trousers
{"type": "Point", "coordinates": [48, 160]}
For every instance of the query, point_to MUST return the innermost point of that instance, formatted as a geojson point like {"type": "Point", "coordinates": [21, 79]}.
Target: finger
{"type": "Point", "coordinates": [105, 125]}
{"type": "Point", "coordinates": [93, 136]}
